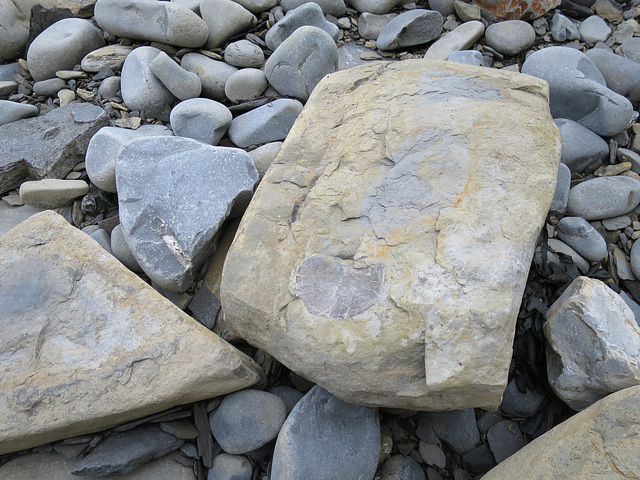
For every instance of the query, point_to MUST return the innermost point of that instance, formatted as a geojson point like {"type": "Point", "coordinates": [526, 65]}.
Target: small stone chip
{"type": "Point", "coordinates": [611, 170]}
{"type": "Point", "coordinates": [132, 122]}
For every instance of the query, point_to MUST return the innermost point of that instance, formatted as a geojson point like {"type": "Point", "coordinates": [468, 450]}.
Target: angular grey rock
{"type": "Point", "coordinates": [245, 84]}
{"type": "Point", "coordinates": [572, 75]}
{"type": "Point", "coordinates": [620, 73]}
{"type": "Point", "coordinates": [413, 27]}
{"type": "Point", "coordinates": [247, 420]}
{"type": "Point", "coordinates": [202, 119]}
{"type": "Point", "coordinates": [593, 30]}
{"type": "Point", "coordinates": [123, 452]}
{"type": "Point", "coordinates": [244, 54]}
{"type": "Point", "coordinates": [12, 111]}
{"type": "Point", "coordinates": [510, 37]}
{"type": "Point", "coordinates": [181, 83]}
{"type": "Point", "coordinates": [583, 238]}
{"type": "Point", "coordinates": [50, 86]}
{"type": "Point", "coordinates": [172, 236]}
{"type": "Point", "coordinates": [630, 49]}
{"type": "Point", "coordinates": [213, 74]}
{"type": "Point", "coordinates": [141, 89]}
{"type": "Point", "coordinates": [559, 246]}
{"type": "Point", "coordinates": [301, 61]}
{"type": "Point", "coordinates": [268, 123]}
{"type": "Point", "coordinates": [469, 57]}
{"type": "Point", "coordinates": [460, 38]}
{"type": "Point", "coordinates": [264, 156]}
{"type": "Point", "coordinates": [51, 193]}
{"type": "Point", "coordinates": [307, 14]}
{"type": "Point", "coordinates": [224, 19]}
{"type": "Point", "coordinates": [520, 404]}
{"type": "Point", "coordinates": [47, 146]}
{"type": "Point", "coordinates": [563, 29]}
{"type": "Point", "coordinates": [467, 11]}
{"type": "Point", "coordinates": [432, 454]}
{"type": "Point", "coordinates": [140, 356]}
{"type": "Point", "coordinates": [505, 439]}
{"type": "Point", "coordinates": [230, 467]}
{"type": "Point", "coordinates": [604, 197]}
{"type": "Point", "coordinates": [8, 70]}
{"type": "Point", "coordinates": [325, 437]}
{"type": "Point", "coordinates": [632, 304]}
{"type": "Point", "coordinates": [337, 8]}
{"type": "Point", "coordinates": [165, 22]}
{"type": "Point", "coordinates": [121, 250]}
{"type": "Point", "coordinates": [370, 25]}
{"type": "Point", "coordinates": [100, 159]}
{"type": "Point", "coordinates": [61, 46]}
{"type": "Point", "coordinates": [456, 428]}
{"type": "Point", "coordinates": [593, 344]}
{"type": "Point", "coordinates": [398, 467]}
{"type": "Point", "coordinates": [561, 196]}
{"type": "Point", "coordinates": [351, 55]}
{"type": "Point", "coordinates": [375, 6]}
{"type": "Point", "coordinates": [581, 148]}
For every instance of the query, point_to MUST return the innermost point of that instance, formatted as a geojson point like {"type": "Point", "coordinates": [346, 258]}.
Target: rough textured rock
{"type": "Point", "coordinates": [171, 236]}
{"type": "Point", "coordinates": [599, 442]}
{"type": "Point", "coordinates": [377, 270]}
{"type": "Point", "coordinates": [516, 9]}
{"type": "Point", "coordinates": [141, 355]}
{"type": "Point", "coordinates": [593, 344]}
{"type": "Point", "coordinates": [47, 146]}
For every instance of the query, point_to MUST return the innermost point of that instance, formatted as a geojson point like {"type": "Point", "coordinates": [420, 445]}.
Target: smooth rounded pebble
{"type": "Point", "coordinates": [120, 249]}
{"type": "Point", "coordinates": [604, 197]}
{"type": "Point", "coordinates": [111, 56]}
{"type": "Point", "coordinates": [375, 6]}
{"type": "Point", "coordinates": [245, 84]}
{"type": "Point", "coordinates": [201, 119]}
{"type": "Point", "coordinates": [247, 420]}
{"type": "Point", "coordinates": [337, 8]}
{"type": "Point", "coordinates": [593, 30]}
{"type": "Point", "coordinates": [224, 19]}
{"type": "Point", "coordinates": [102, 237]}
{"type": "Point", "coordinates": [460, 38]}
{"type": "Point", "coordinates": [634, 259]}
{"type": "Point", "coordinates": [264, 156]}
{"type": "Point", "coordinates": [413, 27]}
{"type": "Point", "coordinates": [109, 87]}
{"type": "Point", "coordinates": [244, 54]}
{"type": "Point", "coordinates": [230, 467]}
{"type": "Point", "coordinates": [181, 83]}
{"type": "Point", "coordinates": [510, 37]}
{"type": "Point", "coordinates": [620, 73]}
{"type": "Point", "coordinates": [268, 123]}
{"type": "Point", "coordinates": [258, 6]}
{"type": "Point", "coordinates": [51, 193]}
{"type": "Point", "coordinates": [12, 111]}
{"type": "Point", "coordinates": [559, 246]}
{"type": "Point", "coordinates": [166, 22]}
{"type": "Point", "coordinates": [583, 238]}
{"type": "Point", "coordinates": [308, 14]}
{"type": "Point", "coordinates": [301, 61]}
{"type": "Point", "coordinates": [370, 25]}
{"type": "Point", "coordinates": [51, 86]}
{"type": "Point", "coordinates": [61, 46]}
{"type": "Point", "coordinates": [213, 74]}
{"type": "Point", "coordinates": [581, 148]}
{"type": "Point", "coordinates": [563, 29]}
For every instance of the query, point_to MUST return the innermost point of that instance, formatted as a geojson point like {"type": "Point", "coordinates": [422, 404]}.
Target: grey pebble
{"type": "Point", "coordinates": [563, 29]}
{"type": "Point", "coordinates": [8, 70]}
{"type": "Point", "coordinates": [12, 111]}
{"type": "Point", "coordinates": [604, 197]}
{"type": "Point", "coordinates": [244, 54]}
{"type": "Point", "coordinates": [290, 396]}
{"type": "Point", "coordinates": [632, 304]}
{"type": "Point", "coordinates": [337, 8]}
{"type": "Point", "coordinates": [224, 19]}
{"type": "Point", "coordinates": [456, 428]}
{"type": "Point", "coordinates": [213, 74]}
{"type": "Point", "coordinates": [593, 30]}
{"type": "Point", "coordinates": [634, 259]}
{"type": "Point", "coordinates": [470, 57]}
{"type": "Point", "coordinates": [268, 123]}
{"type": "Point", "coordinates": [510, 37]}
{"type": "Point", "coordinates": [264, 156]}
{"type": "Point", "coordinates": [109, 88]}
{"type": "Point", "coordinates": [398, 467]}
{"type": "Point", "coordinates": [245, 84]}
{"type": "Point", "coordinates": [48, 87]}
{"type": "Point", "coordinates": [432, 454]}
{"type": "Point", "coordinates": [583, 238]}
{"type": "Point", "coordinates": [620, 73]}
{"type": "Point", "coordinates": [425, 431]}
{"type": "Point", "coordinates": [370, 25]}
{"type": "Point", "coordinates": [258, 6]}
{"type": "Point", "coordinates": [445, 7]}
{"type": "Point", "coordinates": [616, 223]}
{"type": "Point", "coordinates": [559, 246]}
{"type": "Point", "coordinates": [230, 467]}
{"type": "Point", "coordinates": [519, 404]}
{"type": "Point", "coordinates": [630, 48]}
{"type": "Point", "coordinates": [307, 14]}
{"type": "Point", "coordinates": [488, 420]}
{"type": "Point", "coordinates": [561, 195]}
{"type": "Point", "coordinates": [479, 460]}
{"type": "Point", "coordinates": [626, 155]}
{"type": "Point", "coordinates": [121, 250]}
{"type": "Point", "coordinates": [181, 83]}
{"type": "Point", "coordinates": [375, 6]}
{"type": "Point", "coordinates": [102, 237]}
{"type": "Point", "coordinates": [581, 148]}
{"type": "Point", "coordinates": [505, 439]}
{"type": "Point", "coordinates": [413, 27]}
{"type": "Point", "coordinates": [202, 119]}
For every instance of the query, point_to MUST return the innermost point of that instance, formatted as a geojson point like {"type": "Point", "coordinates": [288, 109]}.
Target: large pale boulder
{"type": "Point", "coordinates": [87, 345]}
{"type": "Point", "coordinates": [601, 442]}
{"type": "Point", "coordinates": [385, 252]}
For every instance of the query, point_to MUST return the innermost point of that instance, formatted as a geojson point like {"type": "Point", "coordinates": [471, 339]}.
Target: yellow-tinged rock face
{"type": "Point", "coordinates": [385, 252]}
{"type": "Point", "coordinates": [87, 345]}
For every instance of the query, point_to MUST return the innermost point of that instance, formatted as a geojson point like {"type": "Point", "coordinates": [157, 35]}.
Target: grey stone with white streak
{"type": "Point", "coordinates": [12, 111]}
{"type": "Point", "coordinates": [581, 148]}
{"type": "Point", "coordinates": [572, 75]}
{"type": "Point", "coordinates": [61, 46]}
{"type": "Point", "coordinates": [620, 73]}
{"type": "Point", "coordinates": [604, 197]}
{"type": "Point", "coordinates": [213, 74]}
{"type": "Point", "coordinates": [166, 22]}
{"type": "Point", "coordinates": [594, 29]}
{"type": "Point", "coordinates": [181, 83]}
{"type": "Point", "coordinates": [583, 238]}
{"type": "Point", "coordinates": [224, 19]}
{"type": "Point", "coordinates": [171, 236]}
{"type": "Point", "coordinates": [202, 119]}
{"type": "Point", "coordinates": [510, 37]}
{"type": "Point", "coordinates": [268, 123]}
{"type": "Point", "coordinates": [307, 14]}
{"type": "Point", "coordinates": [301, 61]}
{"type": "Point", "coordinates": [370, 25]}
{"type": "Point", "coordinates": [141, 89]}
{"type": "Point", "coordinates": [243, 54]}
{"type": "Point", "coordinates": [413, 27]}
{"type": "Point", "coordinates": [460, 38]}
{"type": "Point", "coordinates": [337, 8]}
{"type": "Point", "coordinates": [563, 29]}
{"type": "Point", "coordinates": [245, 84]}
{"type": "Point", "coordinates": [593, 344]}
{"type": "Point", "coordinates": [100, 159]}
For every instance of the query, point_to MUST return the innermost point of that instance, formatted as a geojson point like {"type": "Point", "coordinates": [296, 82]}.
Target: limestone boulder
{"type": "Point", "coordinates": [599, 442]}
{"type": "Point", "coordinates": [87, 345]}
{"type": "Point", "coordinates": [385, 252]}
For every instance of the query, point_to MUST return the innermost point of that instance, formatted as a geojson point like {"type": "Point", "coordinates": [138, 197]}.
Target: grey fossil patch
{"type": "Point", "coordinates": [332, 288]}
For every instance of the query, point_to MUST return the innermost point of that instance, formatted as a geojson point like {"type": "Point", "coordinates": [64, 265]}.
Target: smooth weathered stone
{"type": "Point", "coordinates": [593, 344]}
{"type": "Point", "coordinates": [121, 250]}
{"type": "Point", "coordinates": [599, 442]}
{"type": "Point", "coordinates": [337, 8]}
{"type": "Point", "coordinates": [401, 468]}
{"type": "Point", "coordinates": [102, 237]}
{"type": "Point", "coordinates": [244, 54]}
{"type": "Point", "coordinates": [457, 429]}
{"type": "Point", "coordinates": [516, 9]}
{"type": "Point", "coordinates": [224, 19]}
{"type": "Point", "coordinates": [201, 119]}
{"type": "Point", "coordinates": [140, 356]}
{"type": "Point", "coordinates": [111, 56]}
{"type": "Point", "coordinates": [583, 238]}
{"type": "Point", "coordinates": [561, 247]}
{"type": "Point", "coordinates": [50, 86]}
{"type": "Point", "coordinates": [245, 84]}
{"type": "Point", "coordinates": [51, 193]}
{"type": "Point", "coordinates": [300, 61]}
{"type": "Point", "coordinates": [61, 46]}
{"type": "Point", "coordinates": [561, 197]}
{"type": "Point", "coordinates": [460, 38]}
{"type": "Point", "coordinates": [47, 146]}
{"type": "Point", "coordinates": [581, 148]}
{"type": "Point", "coordinates": [306, 14]}
{"type": "Point", "coordinates": [268, 123]}
{"type": "Point", "coordinates": [470, 57]}
{"type": "Point", "coordinates": [604, 197]}
{"type": "Point", "coordinates": [505, 439]}
{"type": "Point", "coordinates": [563, 29]}
{"type": "Point", "coordinates": [371, 232]}
{"type": "Point", "coordinates": [325, 437]}
{"type": "Point", "coordinates": [593, 30]}
{"type": "Point", "coordinates": [264, 156]}
{"type": "Point", "coordinates": [230, 467]}
{"type": "Point", "coordinates": [520, 404]}
{"type": "Point", "coordinates": [370, 25]}
{"type": "Point", "coordinates": [467, 11]}
{"type": "Point", "coordinates": [52, 466]}
{"type": "Point", "coordinates": [375, 6]}
{"type": "Point", "coordinates": [510, 37]}
{"type": "Point", "coordinates": [413, 27]}
{"type": "Point", "coordinates": [109, 88]}
{"type": "Point", "coordinates": [141, 89]}
{"type": "Point", "coordinates": [620, 73]}
{"type": "Point", "coordinates": [213, 74]}
{"type": "Point", "coordinates": [166, 22]}
{"type": "Point", "coordinates": [181, 83]}
{"type": "Point", "coordinates": [171, 236]}
{"type": "Point", "coordinates": [12, 111]}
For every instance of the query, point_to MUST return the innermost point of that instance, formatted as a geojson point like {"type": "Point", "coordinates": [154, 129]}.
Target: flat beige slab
{"type": "Point", "coordinates": [87, 345]}
{"type": "Point", "coordinates": [385, 252]}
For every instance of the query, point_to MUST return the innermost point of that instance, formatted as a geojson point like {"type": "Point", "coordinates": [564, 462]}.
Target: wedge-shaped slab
{"type": "Point", "coordinates": [87, 345]}
{"type": "Point", "coordinates": [385, 253]}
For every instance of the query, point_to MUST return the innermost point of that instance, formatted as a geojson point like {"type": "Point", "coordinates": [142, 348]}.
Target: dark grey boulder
{"type": "Point", "coordinates": [414, 27]}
